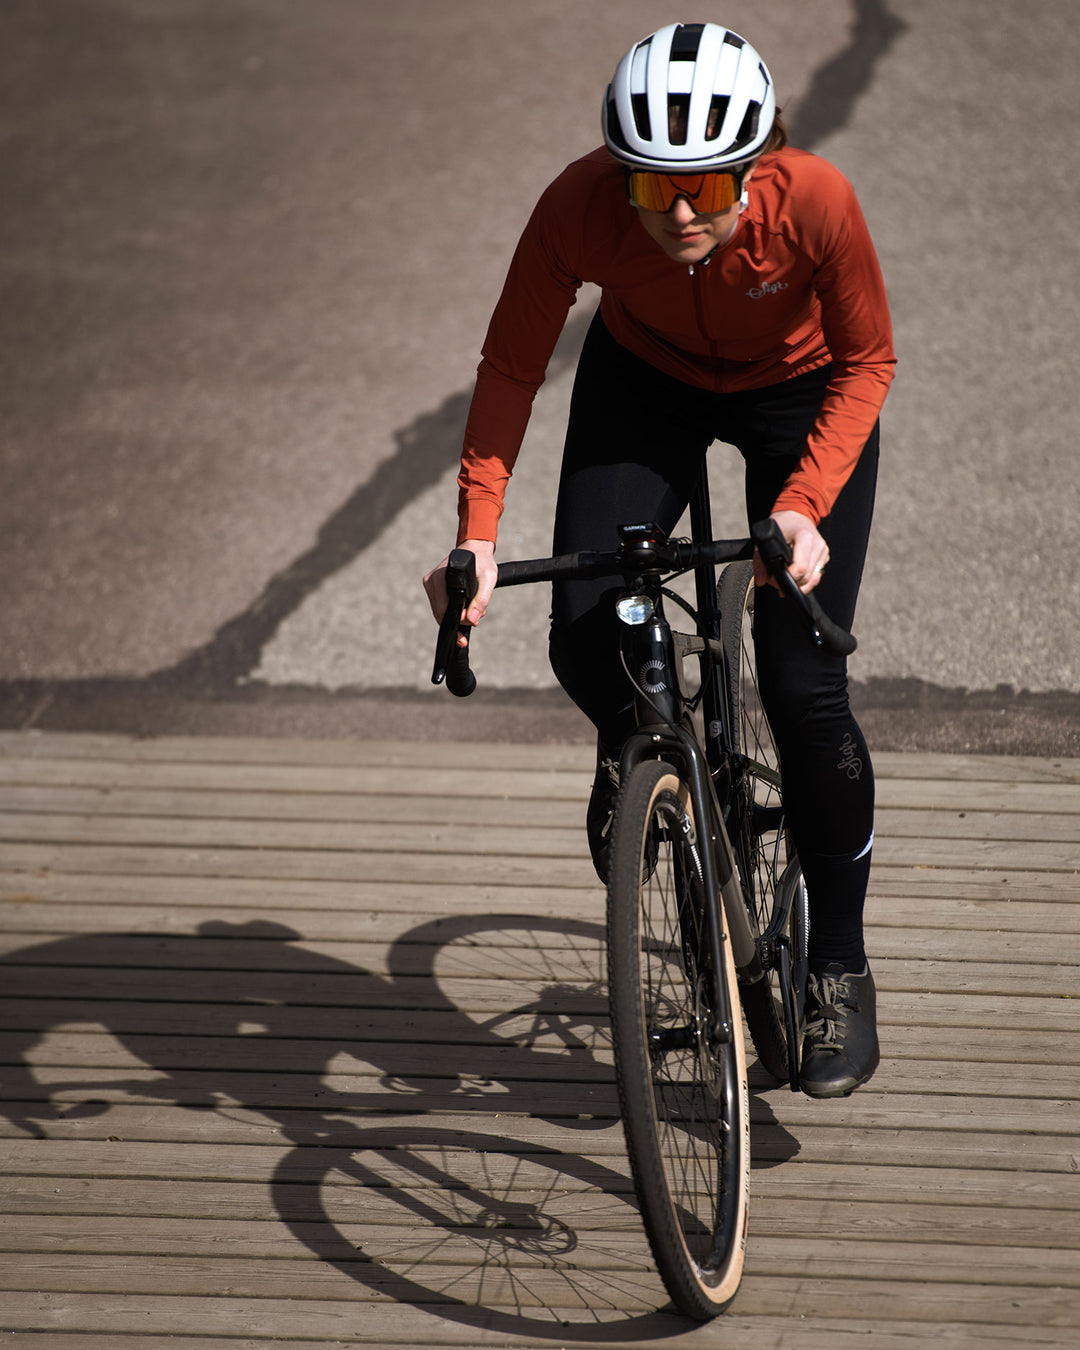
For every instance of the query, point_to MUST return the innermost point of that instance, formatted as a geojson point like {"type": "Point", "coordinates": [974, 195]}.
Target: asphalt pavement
{"type": "Point", "coordinates": [249, 250]}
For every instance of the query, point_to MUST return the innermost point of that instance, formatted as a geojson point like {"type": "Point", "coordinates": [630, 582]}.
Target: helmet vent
{"type": "Point", "coordinates": [685, 43]}
{"type": "Point", "coordinates": [748, 130]}
{"type": "Point", "coordinates": [640, 105]}
{"type": "Point", "coordinates": [678, 118]}
{"type": "Point", "coordinates": [718, 107]}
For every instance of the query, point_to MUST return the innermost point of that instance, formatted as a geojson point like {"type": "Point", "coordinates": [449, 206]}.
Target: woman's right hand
{"type": "Point", "coordinates": [486, 575]}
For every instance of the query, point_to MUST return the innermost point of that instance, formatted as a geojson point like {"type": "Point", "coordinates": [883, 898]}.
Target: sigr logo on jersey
{"type": "Point", "coordinates": [769, 288]}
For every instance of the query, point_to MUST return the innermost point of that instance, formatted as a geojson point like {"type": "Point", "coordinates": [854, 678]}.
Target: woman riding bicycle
{"type": "Point", "coordinates": [741, 300]}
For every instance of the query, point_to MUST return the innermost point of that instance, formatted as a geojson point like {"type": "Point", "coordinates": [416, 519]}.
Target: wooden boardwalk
{"type": "Point", "coordinates": [306, 1043]}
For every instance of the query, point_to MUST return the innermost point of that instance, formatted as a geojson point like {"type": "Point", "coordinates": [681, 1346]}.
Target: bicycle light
{"type": "Point", "coordinates": [634, 609]}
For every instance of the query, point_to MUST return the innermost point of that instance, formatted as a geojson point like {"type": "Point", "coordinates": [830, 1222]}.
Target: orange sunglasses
{"type": "Point", "coordinates": [706, 192]}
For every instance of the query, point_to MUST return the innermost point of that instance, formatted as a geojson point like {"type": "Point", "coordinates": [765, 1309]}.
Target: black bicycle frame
{"type": "Point", "coordinates": [714, 703]}
{"type": "Point", "coordinates": [649, 650]}
{"type": "Point", "coordinates": [654, 657]}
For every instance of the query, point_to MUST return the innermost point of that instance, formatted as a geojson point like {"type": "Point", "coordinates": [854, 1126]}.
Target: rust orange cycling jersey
{"type": "Point", "coordinates": [796, 286]}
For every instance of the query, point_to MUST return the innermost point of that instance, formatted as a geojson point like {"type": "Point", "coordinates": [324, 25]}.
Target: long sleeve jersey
{"type": "Point", "coordinates": [797, 286]}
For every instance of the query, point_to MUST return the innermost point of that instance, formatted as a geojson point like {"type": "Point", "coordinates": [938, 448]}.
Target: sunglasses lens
{"type": "Point", "coordinates": [652, 191]}
{"type": "Point", "coordinates": [706, 192]}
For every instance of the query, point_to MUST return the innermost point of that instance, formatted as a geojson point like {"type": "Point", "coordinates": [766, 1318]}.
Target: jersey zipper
{"type": "Point", "coordinates": [696, 284]}
{"type": "Point", "coordinates": [697, 281]}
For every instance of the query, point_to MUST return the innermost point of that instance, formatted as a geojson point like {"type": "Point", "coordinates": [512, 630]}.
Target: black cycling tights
{"type": "Point", "coordinates": [633, 453]}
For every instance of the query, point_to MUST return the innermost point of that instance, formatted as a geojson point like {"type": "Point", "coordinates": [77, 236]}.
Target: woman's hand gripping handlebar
{"type": "Point", "coordinates": [452, 658]}
{"type": "Point", "coordinates": [775, 553]}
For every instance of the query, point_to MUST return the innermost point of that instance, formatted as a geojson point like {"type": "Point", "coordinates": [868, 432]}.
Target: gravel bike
{"type": "Point", "coordinates": [706, 908]}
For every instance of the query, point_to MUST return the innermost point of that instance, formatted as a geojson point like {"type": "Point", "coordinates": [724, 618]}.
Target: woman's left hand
{"type": "Point", "coordinates": [809, 552]}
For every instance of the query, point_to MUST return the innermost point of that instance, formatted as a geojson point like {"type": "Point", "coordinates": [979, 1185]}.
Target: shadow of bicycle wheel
{"type": "Point", "coordinates": [487, 1230]}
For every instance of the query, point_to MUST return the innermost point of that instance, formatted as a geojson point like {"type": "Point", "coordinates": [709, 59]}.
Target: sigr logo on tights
{"type": "Point", "coordinates": [850, 762]}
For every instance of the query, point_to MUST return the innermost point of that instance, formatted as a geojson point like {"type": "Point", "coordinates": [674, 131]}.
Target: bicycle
{"type": "Point", "coordinates": [706, 909]}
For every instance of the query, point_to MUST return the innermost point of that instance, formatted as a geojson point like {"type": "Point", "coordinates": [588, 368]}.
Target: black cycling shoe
{"type": "Point", "coordinates": [840, 1045]}
{"type": "Point", "coordinates": [601, 810]}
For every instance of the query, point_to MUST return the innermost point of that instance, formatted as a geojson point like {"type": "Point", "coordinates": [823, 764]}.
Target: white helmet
{"type": "Point", "coordinates": [714, 78]}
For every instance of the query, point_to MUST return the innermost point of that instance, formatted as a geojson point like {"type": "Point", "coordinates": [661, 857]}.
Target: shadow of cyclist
{"type": "Point", "coordinates": [243, 1016]}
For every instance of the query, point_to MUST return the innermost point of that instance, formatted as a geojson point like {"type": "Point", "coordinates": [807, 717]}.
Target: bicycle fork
{"type": "Point", "coordinates": [650, 654]}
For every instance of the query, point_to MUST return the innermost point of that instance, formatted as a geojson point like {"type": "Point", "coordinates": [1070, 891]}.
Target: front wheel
{"type": "Point", "coordinates": [683, 1092]}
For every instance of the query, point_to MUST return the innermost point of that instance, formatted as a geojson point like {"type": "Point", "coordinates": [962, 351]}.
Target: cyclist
{"type": "Point", "coordinates": [741, 300]}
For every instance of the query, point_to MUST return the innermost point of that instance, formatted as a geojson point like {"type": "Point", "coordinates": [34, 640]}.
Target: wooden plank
{"type": "Point", "coordinates": [931, 766]}
{"type": "Point", "coordinates": [760, 1333]}
{"type": "Point", "coordinates": [1000, 910]}
{"type": "Point", "coordinates": [986, 1194]}
{"type": "Point", "coordinates": [412, 974]}
{"type": "Point", "coordinates": [997, 1145]}
{"type": "Point", "coordinates": [891, 887]}
{"type": "Point", "coordinates": [28, 919]}
{"type": "Point", "coordinates": [892, 1228]}
{"type": "Point", "coordinates": [392, 780]}
{"type": "Point", "coordinates": [898, 880]}
{"type": "Point", "coordinates": [404, 830]}
{"type": "Point", "coordinates": [566, 1022]}
{"type": "Point", "coordinates": [270, 1036]}
{"type": "Point", "coordinates": [1035, 951]}
{"type": "Point", "coordinates": [501, 946]}
{"type": "Point", "coordinates": [75, 746]}
{"type": "Point", "coordinates": [457, 809]}
{"type": "Point", "coordinates": [139, 902]}
{"type": "Point", "coordinates": [458, 1256]}
{"type": "Point", "coordinates": [153, 1123]}
{"type": "Point", "coordinates": [392, 826]}
{"type": "Point", "coordinates": [58, 901]}
{"type": "Point", "coordinates": [540, 1020]}
{"type": "Point", "coordinates": [152, 832]}
{"type": "Point", "coordinates": [50, 902]}
{"type": "Point", "coordinates": [490, 854]}
{"type": "Point", "coordinates": [165, 999]}
{"type": "Point", "coordinates": [438, 769]}
{"type": "Point", "coordinates": [956, 916]}
{"type": "Point", "coordinates": [1040, 950]}
{"type": "Point", "coordinates": [520, 1284]}
{"type": "Point", "coordinates": [525, 1285]}
{"type": "Point", "coordinates": [964, 825]}
{"type": "Point", "coordinates": [408, 1326]}
{"type": "Point", "coordinates": [905, 807]}
{"type": "Point", "coordinates": [548, 1298]}
{"type": "Point", "coordinates": [899, 801]}
{"type": "Point", "coordinates": [270, 864]}
{"type": "Point", "coordinates": [974, 1149]}
{"type": "Point", "coordinates": [950, 794]}
{"type": "Point", "coordinates": [342, 1083]}
{"type": "Point", "coordinates": [502, 875]}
